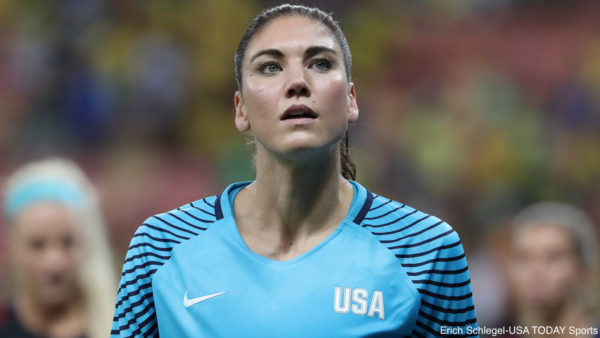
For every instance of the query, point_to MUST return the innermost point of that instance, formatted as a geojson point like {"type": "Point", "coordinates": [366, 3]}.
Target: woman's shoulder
{"type": "Point", "coordinates": [187, 219]}
{"type": "Point", "coordinates": [159, 234]}
{"type": "Point", "coordinates": [406, 230]}
{"type": "Point", "coordinates": [386, 212]}
{"type": "Point", "coordinates": [156, 238]}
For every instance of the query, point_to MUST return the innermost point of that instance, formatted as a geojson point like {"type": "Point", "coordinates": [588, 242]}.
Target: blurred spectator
{"type": "Point", "coordinates": [64, 284]}
{"type": "Point", "coordinates": [553, 256]}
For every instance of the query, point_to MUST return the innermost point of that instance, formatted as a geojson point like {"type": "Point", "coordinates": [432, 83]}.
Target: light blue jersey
{"type": "Point", "coordinates": [387, 270]}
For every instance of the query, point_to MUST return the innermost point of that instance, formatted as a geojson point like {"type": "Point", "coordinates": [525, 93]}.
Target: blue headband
{"type": "Point", "coordinates": [49, 190]}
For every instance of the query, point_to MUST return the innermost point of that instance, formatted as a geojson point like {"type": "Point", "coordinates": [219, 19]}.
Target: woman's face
{"type": "Point", "coordinates": [47, 251]}
{"type": "Point", "coordinates": [295, 94]}
{"type": "Point", "coordinates": [545, 269]}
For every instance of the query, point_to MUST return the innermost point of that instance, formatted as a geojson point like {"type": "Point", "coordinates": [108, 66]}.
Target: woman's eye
{"type": "Point", "coordinates": [322, 64]}
{"type": "Point", "coordinates": [68, 242]}
{"type": "Point", "coordinates": [269, 68]}
{"type": "Point", "coordinates": [36, 244]}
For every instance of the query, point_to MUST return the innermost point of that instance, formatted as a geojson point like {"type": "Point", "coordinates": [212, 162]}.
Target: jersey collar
{"type": "Point", "coordinates": [360, 205]}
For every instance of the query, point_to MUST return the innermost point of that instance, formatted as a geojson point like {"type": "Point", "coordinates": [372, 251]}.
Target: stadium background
{"type": "Point", "coordinates": [470, 109]}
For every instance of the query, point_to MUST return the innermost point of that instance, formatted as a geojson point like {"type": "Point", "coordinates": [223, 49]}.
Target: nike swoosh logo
{"type": "Point", "coordinates": [189, 302]}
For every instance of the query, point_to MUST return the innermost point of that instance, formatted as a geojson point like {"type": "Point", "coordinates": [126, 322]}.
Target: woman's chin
{"type": "Point", "coordinates": [307, 150]}
{"type": "Point", "coordinates": [302, 143]}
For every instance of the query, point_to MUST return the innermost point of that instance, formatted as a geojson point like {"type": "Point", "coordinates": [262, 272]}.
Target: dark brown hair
{"type": "Point", "coordinates": [348, 168]}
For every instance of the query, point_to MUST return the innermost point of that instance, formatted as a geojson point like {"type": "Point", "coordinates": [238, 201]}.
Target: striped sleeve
{"type": "Point", "coordinates": [443, 281]}
{"type": "Point", "coordinates": [432, 256]}
{"type": "Point", "coordinates": [150, 248]}
{"type": "Point", "coordinates": [134, 310]}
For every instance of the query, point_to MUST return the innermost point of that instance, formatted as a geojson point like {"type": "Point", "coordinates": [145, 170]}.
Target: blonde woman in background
{"type": "Point", "coordinates": [64, 283]}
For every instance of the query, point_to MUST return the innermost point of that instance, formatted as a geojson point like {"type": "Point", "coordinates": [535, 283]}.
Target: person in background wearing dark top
{"type": "Point", "coordinates": [553, 258]}
{"type": "Point", "coordinates": [63, 281]}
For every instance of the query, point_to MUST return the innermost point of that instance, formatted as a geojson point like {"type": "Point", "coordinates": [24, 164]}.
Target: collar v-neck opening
{"type": "Point", "coordinates": [226, 201]}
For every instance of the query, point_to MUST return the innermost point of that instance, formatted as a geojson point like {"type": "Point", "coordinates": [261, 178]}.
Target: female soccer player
{"type": "Point", "coordinates": [64, 281]}
{"type": "Point", "coordinates": [302, 251]}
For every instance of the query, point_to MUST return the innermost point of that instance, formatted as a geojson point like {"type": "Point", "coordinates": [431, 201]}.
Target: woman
{"type": "Point", "coordinates": [63, 277]}
{"type": "Point", "coordinates": [553, 261]}
{"type": "Point", "coordinates": [302, 250]}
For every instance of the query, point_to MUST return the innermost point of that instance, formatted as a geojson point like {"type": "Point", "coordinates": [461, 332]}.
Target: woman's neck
{"type": "Point", "coordinates": [291, 207]}
{"type": "Point", "coordinates": [61, 320]}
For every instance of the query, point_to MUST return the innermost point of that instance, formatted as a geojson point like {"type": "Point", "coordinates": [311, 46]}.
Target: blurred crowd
{"type": "Point", "coordinates": [470, 110]}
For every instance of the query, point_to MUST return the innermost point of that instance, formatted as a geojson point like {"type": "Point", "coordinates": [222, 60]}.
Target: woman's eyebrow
{"type": "Point", "coordinates": [310, 52]}
{"type": "Point", "coordinates": [273, 52]}
{"type": "Point", "coordinates": [314, 50]}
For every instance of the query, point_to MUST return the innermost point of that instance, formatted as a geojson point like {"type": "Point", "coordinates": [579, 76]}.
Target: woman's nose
{"type": "Point", "coordinates": [55, 258]}
{"type": "Point", "coordinates": [297, 85]}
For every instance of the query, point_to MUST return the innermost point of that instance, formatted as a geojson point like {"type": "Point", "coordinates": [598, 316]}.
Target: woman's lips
{"type": "Point", "coordinates": [299, 113]}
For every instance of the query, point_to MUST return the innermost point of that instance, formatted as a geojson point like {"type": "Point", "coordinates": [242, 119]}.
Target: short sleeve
{"type": "Point", "coordinates": [135, 315]}
{"type": "Point", "coordinates": [446, 299]}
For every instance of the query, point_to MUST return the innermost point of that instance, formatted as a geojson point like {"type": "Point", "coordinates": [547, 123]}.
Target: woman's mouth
{"type": "Point", "coordinates": [298, 112]}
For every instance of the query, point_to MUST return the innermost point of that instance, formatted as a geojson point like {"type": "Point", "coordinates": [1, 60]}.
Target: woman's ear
{"type": "Point", "coordinates": [241, 120]}
{"type": "Point", "coordinates": [353, 106]}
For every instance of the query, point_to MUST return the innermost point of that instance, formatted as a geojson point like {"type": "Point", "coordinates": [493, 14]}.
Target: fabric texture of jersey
{"type": "Point", "coordinates": [387, 270]}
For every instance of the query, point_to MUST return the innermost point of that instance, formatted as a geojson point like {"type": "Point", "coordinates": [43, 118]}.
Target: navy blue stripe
{"type": "Point", "coordinates": [146, 254]}
{"type": "Point", "coordinates": [150, 318]}
{"type": "Point", "coordinates": [417, 334]}
{"type": "Point", "coordinates": [442, 284]}
{"type": "Point", "coordinates": [388, 223]}
{"type": "Point", "coordinates": [205, 201]}
{"type": "Point", "coordinates": [413, 234]}
{"type": "Point", "coordinates": [150, 245]}
{"type": "Point", "coordinates": [365, 208]}
{"type": "Point", "coordinates": [402, 229]}
{"type": "Point", "coordinates": [218, 212]}
{"type": "Point", "coordinates": [382, 204]}
{"type": "Point", "coordinates": [186, 222]}
{"type": "Point", "coordinates": [440, 272]}
{"type": "Point", "coordinates": [204, 211]}
{"type": "Point", "coordinates": [387, 213]}
{"type": "Point", "coordinates": [154, 331]}
{"type": "Point", "coordinates": [446, 310]}
{"type": "Point", "coordinates": [436, 295]}
{"type": "Point", "coordinates": [133, 293]}
{"type": "Point", "coordinates": [438, 259]}
{"type": "Point", "coordinates": [165, 230]}
{"type": "Point", "coordinates": [197, 218]}
{"type": "Point", "coordinates": [164, 240]}
{"type": "Point", "coordinates": [149, 307]}
{"type": "Point", "coordinates": [446, 322]}
{"type": "Point", "coordinates": [136, 279]}
{"type": "Point", "coordinates": [405, 246]}
{"type": "Point", "coordinates": [133, 305]}
{"type": "Point", "coordinates": [439, 248]}
{"type": "Point", "coordinates": [149, 263]}
{"type": "Point", "coordinates": [429, 329]}
{"type": "Point", "coordinates": [175, 226]}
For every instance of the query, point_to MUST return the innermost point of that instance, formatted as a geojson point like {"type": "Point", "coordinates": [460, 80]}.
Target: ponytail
{"type": "Point", "coordinates": [348, 167]}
